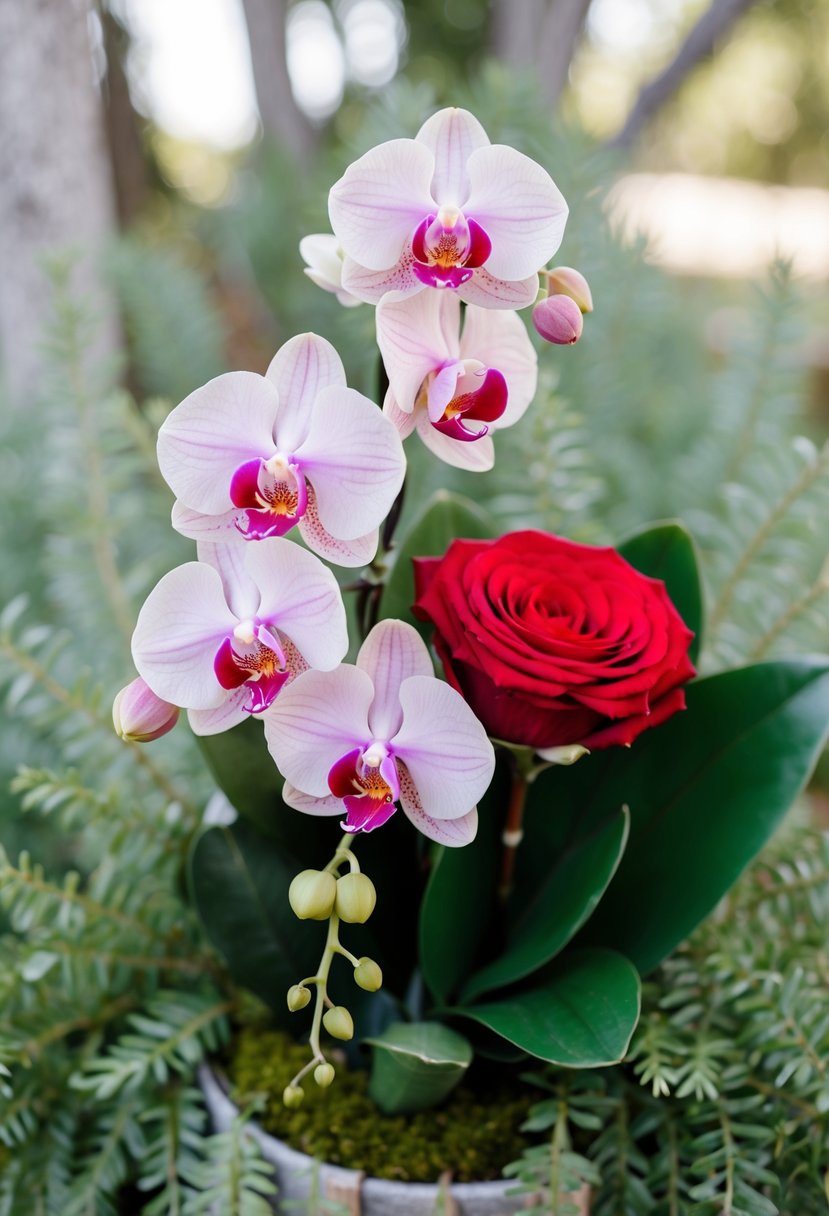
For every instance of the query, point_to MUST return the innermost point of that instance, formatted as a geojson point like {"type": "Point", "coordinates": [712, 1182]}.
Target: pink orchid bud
{"type": "Point", "coordinates": [139, 716]}
{"type": "Point", "coordinates": [558, 319]}
{"type": "Point", "coordinates": [566, 281]}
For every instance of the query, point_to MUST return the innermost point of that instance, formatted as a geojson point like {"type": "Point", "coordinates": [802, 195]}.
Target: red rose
{"type": "Point", "coordinates": [552, 642]}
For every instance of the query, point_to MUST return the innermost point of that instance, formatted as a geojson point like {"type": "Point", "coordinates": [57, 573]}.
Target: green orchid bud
{"type": "Point", "coordinates": [324, 1074]}
{"type": "Point", "coordinates": [356, 898]}
{"type": "Point", "coordinates": [298, 997]}
{"type": "Point", "coordinates": [292, 1096]}
{"type": "Point", "coordinates": [312, 894]}
{"type": "Point", "coordinates": [338, 1023]}
{"type": "Point", "coordinates": [367, 975]}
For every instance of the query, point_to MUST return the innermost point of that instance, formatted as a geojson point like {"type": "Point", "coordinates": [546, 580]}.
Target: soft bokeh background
{"type": "Point", "coordinates": [164, 157]}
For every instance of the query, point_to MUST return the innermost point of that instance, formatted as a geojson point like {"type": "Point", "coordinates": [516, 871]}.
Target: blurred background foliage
{"type": "Point", "coordinates": [701, 395]}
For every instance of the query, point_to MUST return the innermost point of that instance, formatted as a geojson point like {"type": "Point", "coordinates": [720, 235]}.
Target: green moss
{"type": "Point", "coordinates": [475, 1134]}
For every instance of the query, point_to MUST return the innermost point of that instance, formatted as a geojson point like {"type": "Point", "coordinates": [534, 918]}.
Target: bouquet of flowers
{"type": "Point", "coordinates": [501, 853]}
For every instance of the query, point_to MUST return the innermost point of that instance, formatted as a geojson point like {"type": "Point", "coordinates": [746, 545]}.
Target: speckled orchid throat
{"type": "Point", "coordinates": [253, 656]}
{"type": "Point", "coordinates": [368, 783]}
{"type": "Point", "coordinates": [448, 247]}
{"type": "Point", "coordinates": [272, 493]}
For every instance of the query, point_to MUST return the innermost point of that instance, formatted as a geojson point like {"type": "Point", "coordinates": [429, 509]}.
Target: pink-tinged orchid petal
{"type": "Point", "coordinates": [369, 794]}
{"type": "Point", "coordinates": [229, 560]}
{"type": "Point", "coordinates": [500, 340]}
{"type": "Point", "coordinates": [358, 551]}
{"type": "Point", "coordinates": [220, 529]}
{"type": "Point", "coordinates": [213, 721]}
{"type": "Point", "coordinates": [444, 747]}
{"type": "Point", "coordinates": [486, 291]}
{"type": "Point", "coordinates": [455, 833]}
{"type": "Point", "coordinates": [379, 200]}
{"type": "Point", "coordinates": [404, 422]}
{"type": "Point", "coordinates": [179, 629]}
{"type": "Point", "coordinates": [366, 814]}
{"type": "Point", "coordinates": [370, 286]}
{"type": "Point", "coordinates": [442, 390]}
{"type": "Point", "coordinates": [244, 484]}
{"type": "Point", "coordinates": [301, 596]}
{"type": "Point", "coordinates": [219, 427]}
{"type": "Point", "coordinates": [520, 207]}
{"type": "Point", "coordinates": [477, 457]}
{"type": "Point", "coordinates": [329, 805]}
{"type": "Point", "coordinates": [300, 370]}
{"type": "Point", "coordinates": [455, 429]}
{"type": "Point", "coordinates": [314, 721]}
{"type": "Point", "coordinates": [451, 135]}
{"type": "Point", "coordinates": [392, 653]}
{"type": "Point", "coordinates": [416, 335]}
{"type": "Point", "coordinates": [354, 460]}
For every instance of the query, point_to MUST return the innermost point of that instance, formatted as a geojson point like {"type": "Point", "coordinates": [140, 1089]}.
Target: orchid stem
{"type": "Point", "coordinates": [513, 833]}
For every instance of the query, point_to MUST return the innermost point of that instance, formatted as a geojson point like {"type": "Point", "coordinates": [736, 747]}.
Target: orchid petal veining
{"type": "Point", "coordinates": [356, 741]}
{"type": "Point", "coordinates": [447, 210]}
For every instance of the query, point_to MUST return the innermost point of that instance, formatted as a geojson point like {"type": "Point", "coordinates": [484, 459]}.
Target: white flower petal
{"type": "Point", "coordinates": [214, 430]}
{"type": "Point", "coordinates": [315, 721]}
{"type": "Point", "coordinates": [310, 805]}
{"type": "Point", "coordinates": [221, 529]}
{"type": "Point", "coordinates": [416, 335]}
{"type": "Point", "coordinates": [299, 371]}
{"type": "Point", "coordinates": [478, 456]}
{"type": "Point", "coordinates": [452, 136]}
{"type": "Point", "coordinates": [322, 253]}
{"type": "Point", "coordinates": [499, 339]}
{"type": "Point", "coordinates": [213, 721]}
{"type": "Point", "coordinates": [301, 597]}
{"type": "Point", "coordinates": [392, 653]}
{"type": "Point", "coordinates": [354, 459]}
{"type": "Point", "coordinates": [179, 629]}
{"type": "Point", "coordinates": [444, 747]}
{"type": "Point", "coordinates": [369, 286]}
{"type": "Point", "coordinates": [404, 422]}
{"type": "Point", "coordinates": [379, 201]}
{"type": "Point", "coordinates": [486, 291]}
{"type": "Point", "coordinates": [229, 560]}
{"type": "Point", "coordinates": [454, 833]}
{"type": "Point", "coordinates": [520, 208]}
{"type": "Point", "coordinates": [357, 552]}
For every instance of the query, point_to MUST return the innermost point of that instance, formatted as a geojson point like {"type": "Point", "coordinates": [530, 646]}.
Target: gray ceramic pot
{"type": "Point", "coordinates": [363, 1196]}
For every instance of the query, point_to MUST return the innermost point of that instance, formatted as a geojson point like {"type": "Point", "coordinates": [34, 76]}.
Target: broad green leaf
{"type": "Point", "coordinates": [705, 790]}
{"type": "Point", "coordinates": [581, 1015]}
{"type": "Point", "coordinates": [415, 1065]}
{"type": "Point", "coordinates": [574, 883]}
{"type": "Point", "coordinates": [458, 903]}
{"type": "Point", "coordinates": [242, 767]}
{"type": "Point", "coordinates": [239, 880]}
{"type": "Point", "coordinates": [667, 551]}
{"type": "Point", "coordinates": [445, 518]}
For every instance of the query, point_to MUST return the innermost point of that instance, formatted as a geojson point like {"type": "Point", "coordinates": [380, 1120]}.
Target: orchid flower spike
{"type": "Point", "coordinates": [323, 260]}
{"type": "Point", "coordinates": [447, 209]}
{"type": "Point", "coordinates": [358, 740]}
{"type": "Point", "coordinates": [222, 636]}
{"type": "Point", "coordinates": [261, 454]}
{"type": "Point", "coordinates": [454, 387]}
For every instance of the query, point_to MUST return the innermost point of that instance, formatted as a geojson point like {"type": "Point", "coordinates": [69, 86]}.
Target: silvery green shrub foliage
{"type": "Point", "coordinates": [109, 994]}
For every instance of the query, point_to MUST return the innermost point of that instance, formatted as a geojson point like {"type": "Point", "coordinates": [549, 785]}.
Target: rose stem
{"type": "Point", "coordinates": [513, 833]}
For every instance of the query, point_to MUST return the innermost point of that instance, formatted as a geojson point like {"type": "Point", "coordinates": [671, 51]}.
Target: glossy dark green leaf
{"type": "Point", "coordinates": [243, 769]}
{"type": "Point", "coordinates": [415, 1065]}
{"type": "Point", "coordinates": [667, 551]}
{"type": "Point", "coordinates": [705, 790]}
{"type": "Point", "coordinates": [582, 1014]}
{"type": "Point", "coordinates": [575, 880]}
{"type": "Point", "coordinates": [239, 881]}
{"type": "Point", "coordinates": [445, 518]}
{"type": "Point", "coordinates": [459, 900]}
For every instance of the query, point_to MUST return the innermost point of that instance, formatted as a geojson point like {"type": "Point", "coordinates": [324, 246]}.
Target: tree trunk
{"type": "Point", "coordinates": [282, 120]}
{"type": "Point", "coordinates": [700, 44]}
{"type": "Point", "coordinates": [542, 35]}
{"type": "Point", "coordinates": [57, 186]}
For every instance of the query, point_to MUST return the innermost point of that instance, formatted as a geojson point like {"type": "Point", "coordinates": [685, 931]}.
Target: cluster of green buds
{"type": "Point", "coordinates": [350, 899]}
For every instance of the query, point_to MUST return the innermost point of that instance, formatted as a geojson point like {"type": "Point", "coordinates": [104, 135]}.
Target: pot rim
{"type": "Point", "coordinates": [222, 1107]}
